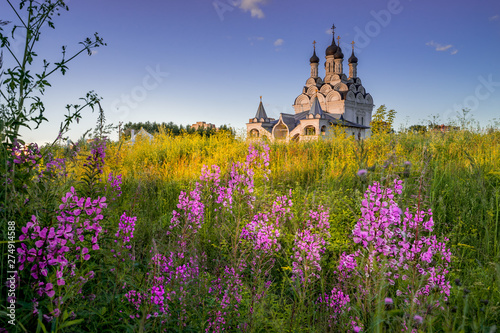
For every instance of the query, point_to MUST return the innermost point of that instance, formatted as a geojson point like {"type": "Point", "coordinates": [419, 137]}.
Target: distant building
{"type": "Point", "coordinates": [142, 133]}
{"type": "Point", "coordinates": [336, 100]}
{"type": "Point", "coordinates": [444, 128]}
{"type": "Point", "coordinates": [203, 125]}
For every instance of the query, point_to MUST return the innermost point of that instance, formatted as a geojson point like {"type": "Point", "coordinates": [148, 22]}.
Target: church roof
{"type": "Point", "coordinates": [332, 49]}
{"type": "Point", "coordinates": [338, 54]}
{"type": "Point", "coordinates": [261, 112]}
{"type": "Point", "coordinates": [316, 107]}
{"type": "Point", "coordinates": [314, 59]}
{"type": "Point", "coordinates": [353, 59]}
{"type": "Point", "coordinates": [293, 120]}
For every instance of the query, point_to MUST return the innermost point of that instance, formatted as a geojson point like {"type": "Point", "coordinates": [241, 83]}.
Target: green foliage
{"type": "Point", "coordinates": [22, 89]}
{"type": "Point", "coordinates": [383, 120]}
{"type": "Point", "coordinates": [102, 130]}
{"type": "Point", "coordinates": [173, 129]}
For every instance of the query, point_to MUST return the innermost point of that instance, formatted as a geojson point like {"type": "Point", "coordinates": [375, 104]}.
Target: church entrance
{"type": "Point", "coordinates": [280, 132]}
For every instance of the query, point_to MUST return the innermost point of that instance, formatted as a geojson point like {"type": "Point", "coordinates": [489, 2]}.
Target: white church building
{"type": "Point", "coordinates": [336, 100]}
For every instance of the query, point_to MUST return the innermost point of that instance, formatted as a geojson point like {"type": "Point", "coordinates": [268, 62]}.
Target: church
{"type": "Point", "coordinates": [336, 100]}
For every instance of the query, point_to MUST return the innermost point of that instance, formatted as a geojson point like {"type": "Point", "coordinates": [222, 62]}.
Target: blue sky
{"type": "Point", "coordinates": [210, 60]}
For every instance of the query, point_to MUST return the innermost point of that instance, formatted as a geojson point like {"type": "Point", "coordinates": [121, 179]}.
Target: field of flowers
{"type": "Point", "coordinates": [399, 232]}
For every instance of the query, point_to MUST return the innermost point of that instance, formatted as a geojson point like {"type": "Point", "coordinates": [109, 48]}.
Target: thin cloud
{"type": "Point", "coordinates": [494, 18]}
{"type": "Point", "coordinates": [278, 42]}
{"type": "Point", "coordinates": [328, 31]}
{"type": "Point", "coordinates": [440, 47]}
{"type": "Point", "coordinates": [254, 7]}
{"type": "Point", "coordinates": [253, 39]}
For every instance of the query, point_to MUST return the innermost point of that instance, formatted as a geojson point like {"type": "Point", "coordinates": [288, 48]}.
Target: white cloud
{"type": "Point", "coordinates": [254, 7]}
{"type": "Point", "coordinates": [440, 47]}
{"type": "Point", "coordinates": [278, 42]}
{"type": "Point", "coordinates": [93, 52]}
{"type": "Point", "coordinates": [328, 31]}
{"type": "Point", "coordinates": [494, 18]}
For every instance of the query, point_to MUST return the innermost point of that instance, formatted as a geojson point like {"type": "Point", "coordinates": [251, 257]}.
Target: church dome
{"type": "Point", "coordinates": [314, 59]}
{"type": "Point", "coordinates": [338, 54]}
{"type": "Point", "coordinates": [353, 59]}
{"type": "Point", "coordinates": [331, 50]}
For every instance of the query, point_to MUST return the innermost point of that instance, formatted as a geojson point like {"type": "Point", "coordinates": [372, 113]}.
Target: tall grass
{"type": "Point", "coordinates": [456, 174]}
{"type": "Point", "coordinates": [462, 187]}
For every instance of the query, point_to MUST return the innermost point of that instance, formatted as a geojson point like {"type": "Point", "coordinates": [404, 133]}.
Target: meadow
{"type": "Point", "coordinates": [398, 232]}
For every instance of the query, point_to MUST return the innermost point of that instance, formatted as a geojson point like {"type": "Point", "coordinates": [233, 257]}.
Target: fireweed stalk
{"type": "Point", "coordinates": [170, 274]}
{"type": "Point", "coordinates": [260, 240]}
{"type": "Point", "coordinates": [55, 249]}
{"type": "Point", "coordinates": [94, 167]}
{"type": "Point", "coordinates": [55, 252]}
{"type": "Point", "coordinates": [309, 244]}
{"type": "Point", "coordinates": [399, 248]}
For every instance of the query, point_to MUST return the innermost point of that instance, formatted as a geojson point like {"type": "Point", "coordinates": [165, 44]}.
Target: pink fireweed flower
{"type": "Point", "coordinates": [319, 221]}
{"type": "Point", "coordinates": [126, 228]}
{"type": "Point", "coordinates": [263, 235]}
{"type": "Point", "coordinates": [336, 301]}
{"type": "Point", "coordinates": [190, 214]}
{"type": "Point", "coordinates": [114, 185]}
{"type": "Point", "coordinates": [307, 249]}
{"type": "Point", "coordinates": [418, 319]}
{"type": "Point", "coordinates": [227, 290]}
{"type": "Point", "coordinates": [388, 237]}
{"type": "Point", "coordinates": [59, 245]}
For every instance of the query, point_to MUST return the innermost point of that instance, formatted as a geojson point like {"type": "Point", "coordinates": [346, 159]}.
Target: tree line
{"type": "Point", "coordinates": [172, 129]}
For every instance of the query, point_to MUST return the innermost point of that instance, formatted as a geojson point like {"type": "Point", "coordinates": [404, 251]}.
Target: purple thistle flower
{"type": "Point", "coordinates": [362, 172]}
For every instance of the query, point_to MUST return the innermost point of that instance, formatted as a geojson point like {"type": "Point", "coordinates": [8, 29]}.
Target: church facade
{"type": "Point", "coordinates": [335, 100]}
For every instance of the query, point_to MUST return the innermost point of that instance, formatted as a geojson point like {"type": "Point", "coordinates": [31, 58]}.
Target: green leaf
{"type": "Point", "coordinates": [41, 325]}
{"type": "Point", "coordinates": [71, 323]}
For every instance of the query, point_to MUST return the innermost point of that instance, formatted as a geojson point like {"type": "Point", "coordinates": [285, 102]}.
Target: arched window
{"type": "Point", "coordinates": [323, 130]}
{"type": "Point", "coordinates": [280, 132]}
{"type": "Point", "coordinates": [254, 133]}
{"type": "Point", "coordinates": [310, 130]}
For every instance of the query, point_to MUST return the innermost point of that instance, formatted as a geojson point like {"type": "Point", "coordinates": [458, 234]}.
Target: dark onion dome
{"type": "Point", "coordinates": [353, 59]}
{"type": "Point", "coordinates": [339, 54]}
{"type": "Point", "coordinates": [314, 59]}
{"type": "Point", "coordinates": [330, 50]}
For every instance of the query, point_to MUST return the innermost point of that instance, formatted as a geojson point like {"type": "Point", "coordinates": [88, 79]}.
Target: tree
{"type": "Point", "coordinates": [173, 129]}
{"type": "Point", "coordinates": [383, 120]}
{"type": "Point", "coordinates": [21, 104]}
{"type": "Point", "coordinates": [418, 128]}
{"type": "Point", "coordinates": [102, 129]}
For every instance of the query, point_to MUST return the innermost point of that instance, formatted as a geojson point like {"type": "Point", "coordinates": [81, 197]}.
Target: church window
{"type": "Point", "coordinates": [280, 132]}
{"type": "Point", "coordinates": [362, 120]}
{"type": "Point", "coordinates": [254, 133]}
{"type": "Point", "coordinates": [357, 120]}
{"type": "Point", "coordinates": [323, 130]}
{"type": "Point", "coordinates": [310, 130]}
